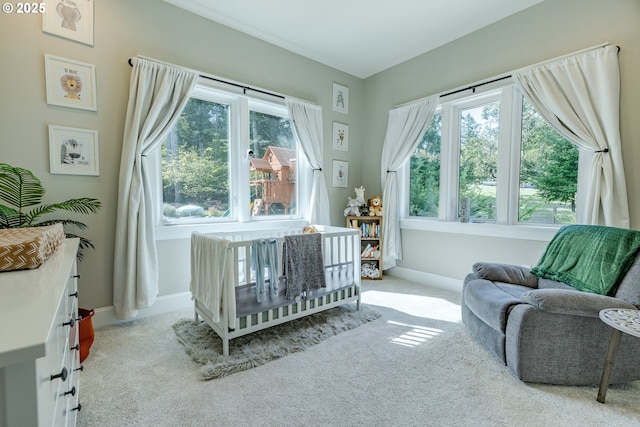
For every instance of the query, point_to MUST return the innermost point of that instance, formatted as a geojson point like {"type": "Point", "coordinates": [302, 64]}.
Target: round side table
{"type": "Point", "coordinates": [621, 320]}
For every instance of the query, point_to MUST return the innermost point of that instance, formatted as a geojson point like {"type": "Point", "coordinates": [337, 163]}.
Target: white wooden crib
{"type": "Point", "coordinates": [240, 313]}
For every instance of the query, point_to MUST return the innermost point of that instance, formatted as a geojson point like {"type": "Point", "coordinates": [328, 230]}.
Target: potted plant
{"type": "Point", "coordinates": [20, 189]}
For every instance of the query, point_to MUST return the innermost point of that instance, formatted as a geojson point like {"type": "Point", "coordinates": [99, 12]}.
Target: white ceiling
{"type": "Point", "coordinates": [360, 37]}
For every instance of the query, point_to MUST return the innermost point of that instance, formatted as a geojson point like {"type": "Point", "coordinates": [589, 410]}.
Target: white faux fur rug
{"type": "Point", "coordinates": [246, 352]}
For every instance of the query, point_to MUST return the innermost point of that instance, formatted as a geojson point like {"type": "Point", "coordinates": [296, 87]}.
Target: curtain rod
{"type": "Point", "coordinates": [208, 77]}
{"type": "Point", "coordinates": [507, 76]}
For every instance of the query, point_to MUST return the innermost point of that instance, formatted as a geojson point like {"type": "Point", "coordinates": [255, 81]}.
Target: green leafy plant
{"type": "Point", "coordinates": [21, 189]}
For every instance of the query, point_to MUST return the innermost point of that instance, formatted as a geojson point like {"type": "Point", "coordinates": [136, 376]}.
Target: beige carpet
{"type": "Point", "coordinates": [415, 366]}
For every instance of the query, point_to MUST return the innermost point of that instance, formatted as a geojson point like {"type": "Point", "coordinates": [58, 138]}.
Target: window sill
{"type": "Point", "coordinates": [524, 232]}
{"type": "Point", "coordinates": [183, 231]}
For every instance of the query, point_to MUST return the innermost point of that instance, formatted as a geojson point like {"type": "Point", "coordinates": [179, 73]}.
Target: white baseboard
{"type": "Point", "coordinates": [426, 278]}
{"type": "Point", "coordinates": [106, 316]}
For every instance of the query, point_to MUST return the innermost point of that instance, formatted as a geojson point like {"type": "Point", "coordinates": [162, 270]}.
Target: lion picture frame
{"type": "Point", "coordinates": [70, 83]}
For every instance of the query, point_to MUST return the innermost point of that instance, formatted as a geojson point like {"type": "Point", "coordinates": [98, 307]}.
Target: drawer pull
{"type": "Point", "coordinates": [81, 368]}
{"type": "Point", "coordinates": [76, 276]}
{"type": "Point", "coordinates": [62, 375]}
{"type": "Point", "coordinates": [70, 323]}
{"type": "Point", "coordinates": [75, 347]}
{"type": "Point", "coordinates": [75, 294]}
{"type": "Point", "coordinates": [71, 392]}
{"type": "Point", "coordinates": [77, 408]}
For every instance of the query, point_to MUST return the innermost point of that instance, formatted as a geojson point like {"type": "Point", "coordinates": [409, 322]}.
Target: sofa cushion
{"type": "Point", "coordinates": [553, 284]}
{"type": "Point", "coordinates": [629, 288]}
{"type": "Point", "coordinates": [492, 301]}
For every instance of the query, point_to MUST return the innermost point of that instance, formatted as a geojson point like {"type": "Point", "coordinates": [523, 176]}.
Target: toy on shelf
{"type": "Point", "coordinates": [375, 206]}
{"type": "Point", "coordinates": [353, 205]}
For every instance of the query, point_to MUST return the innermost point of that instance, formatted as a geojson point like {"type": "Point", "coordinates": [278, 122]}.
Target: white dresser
{"type": "Point", "coordinates": [39, 352]}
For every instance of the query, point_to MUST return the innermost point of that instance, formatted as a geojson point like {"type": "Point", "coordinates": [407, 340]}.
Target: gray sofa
{"type": "Point", "coordinates": [546, 331]}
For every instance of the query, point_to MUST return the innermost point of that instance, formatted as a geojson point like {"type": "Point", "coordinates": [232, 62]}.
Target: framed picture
{"type": "Point", "coordinates": [340, 98]}
{"type": "Point", "coordinates": [71, 19]}
{"type": "Point", "coordinates": [340, 136]}
{"type": "Point", "coordinates": [340, 173]}
{"type": "Point", "coordinates": [70, 83]}
{"type": "Point", "coordinates": [73, 151]}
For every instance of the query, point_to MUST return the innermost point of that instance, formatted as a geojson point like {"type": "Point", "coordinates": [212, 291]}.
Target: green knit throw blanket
{"type": "Point", "coordinates": [588, 257]}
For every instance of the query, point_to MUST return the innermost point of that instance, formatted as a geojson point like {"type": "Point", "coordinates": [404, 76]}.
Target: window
{"type": "Point", "coordinates": [208, 174]}
{"type": "Point", "coordinates": [490, 157]}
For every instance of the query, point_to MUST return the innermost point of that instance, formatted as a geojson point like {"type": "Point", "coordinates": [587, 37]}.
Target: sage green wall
{"type": "Point", "coordinates": [151, 28]}
{"type": "Point", "coordinates": [156, 29]}
{"type": "Point", "coordinates": [547, 30]}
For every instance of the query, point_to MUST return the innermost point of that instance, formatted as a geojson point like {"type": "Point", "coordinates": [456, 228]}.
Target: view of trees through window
{"type": "Point", "coordinates": [548, 172]}
{"type": "Point", "coordinates": [197, 172]}
{"type": "Point", "coordinates": [479, 128]}
{"type": "Point", "coordinates": [273, 169]}
{"type": "Point", "coordinates": [548, 168]}
{"type": "Point", "coordinates": [195, 162]}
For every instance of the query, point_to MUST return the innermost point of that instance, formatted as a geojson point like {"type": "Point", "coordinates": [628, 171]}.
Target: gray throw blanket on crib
{"type": "Point", "coordinates": [302, 264]}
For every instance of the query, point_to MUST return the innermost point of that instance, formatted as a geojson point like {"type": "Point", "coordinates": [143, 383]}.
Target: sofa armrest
{"type": "Point", "coordinates": [572, 302]}
{"type": "Point", "coordinates": [507, 273]}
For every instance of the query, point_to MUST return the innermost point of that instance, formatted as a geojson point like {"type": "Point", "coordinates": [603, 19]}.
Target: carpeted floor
{"type": "Point", "coordinates": [414, 366]}
{"type": "Point", "coordinates": [260, 347]}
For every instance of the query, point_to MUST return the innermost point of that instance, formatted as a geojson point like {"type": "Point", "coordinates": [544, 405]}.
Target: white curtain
{"type": "Point", "coordinates": [307, 129]}
{"type": "Point", "coordinates": [158, 93]}
{"type": "Point", "coordinates": [579, 96]}
{"type": "Point", "coordinates": [406, 127]}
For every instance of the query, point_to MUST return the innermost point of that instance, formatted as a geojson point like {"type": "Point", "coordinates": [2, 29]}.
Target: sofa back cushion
{"type": "Point", "coordinates": [553, 284]}
{"type": "Point", "coordinates": [629, 288]}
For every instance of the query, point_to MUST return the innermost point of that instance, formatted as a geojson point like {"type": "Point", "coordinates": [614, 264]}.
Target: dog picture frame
{"type": "Point", "coordinates": [70, 83]}
{"type": "Point", "coordinates": [73, 151]}
{"type": "Point", "coordinates": [71, 19]}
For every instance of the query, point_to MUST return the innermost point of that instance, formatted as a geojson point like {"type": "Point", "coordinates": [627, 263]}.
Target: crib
{"type": "Point", "coordinates": [239, 312]}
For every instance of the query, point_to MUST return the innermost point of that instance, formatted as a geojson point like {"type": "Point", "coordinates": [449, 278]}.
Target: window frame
{"type": "Point", "coordinates": [240, 106]}
{"type": "Point", "coordinates": [508, 174]}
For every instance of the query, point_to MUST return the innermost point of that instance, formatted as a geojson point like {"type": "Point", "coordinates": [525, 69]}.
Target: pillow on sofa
{"type": "Point", "coordinates": [506, 273]}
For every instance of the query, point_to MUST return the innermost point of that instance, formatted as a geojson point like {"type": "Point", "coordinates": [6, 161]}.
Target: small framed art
{"type": "Point", "coordinates": [340, 136]}
{"type": "Point", "coordinates": [340, 173]}
{"type": "Point", "coordinates": [71, 19]}
{"type": "Point", "coordinates": [73, 151]}
{"type": "Point", "coordinates": [340, 98]}
{"type": "Point", "coordinates": [70, 83]}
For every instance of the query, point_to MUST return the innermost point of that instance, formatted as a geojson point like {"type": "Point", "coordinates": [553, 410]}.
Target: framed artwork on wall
{"type": "Point", "coordinates": [70, 83]}
{"type": "Point", "coordinates": [71, 19]}
{"type": "Point", "coordinates": [340, 136]}
{"type": "Point", "coordinates": [340, 98]}
{"type": "Point", "coordinates": [340, 173]}
{"type": "Point", "coordinates": [73, 151]}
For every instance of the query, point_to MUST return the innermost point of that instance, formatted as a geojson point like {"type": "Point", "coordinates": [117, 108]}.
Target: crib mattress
{"type": "Point", "coordinates": [28, 248]}
{"type": "Point", "coordinates": [337, 277]}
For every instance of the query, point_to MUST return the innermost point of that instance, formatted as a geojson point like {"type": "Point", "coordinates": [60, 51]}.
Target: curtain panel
{"type": "Point", "coordinates": [580, 97]}
{"type": "Point", "coordinates": [406, 127]}
{"type": "Point", "coordinates": [158, 93]}
{"type": "Point", "coordinates": [307, 129]}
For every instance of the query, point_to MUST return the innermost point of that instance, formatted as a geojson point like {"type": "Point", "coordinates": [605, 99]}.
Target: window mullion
{"type": "Point", "coordinates": [239, 143]}
{"type": "Point", "coordinates": [506, 180]}
{"type": "Point", "coordinates": [516, 152]}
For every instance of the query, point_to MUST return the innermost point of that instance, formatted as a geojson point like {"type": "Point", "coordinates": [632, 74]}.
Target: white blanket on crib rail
{"type": "Point", "coordinates": [212, 276]}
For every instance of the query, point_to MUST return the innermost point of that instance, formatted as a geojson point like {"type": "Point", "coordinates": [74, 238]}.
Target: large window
{"type": "Point", "coordinates": [490, 157]}
{"type": "Point", "coordinates": [229, 158]}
